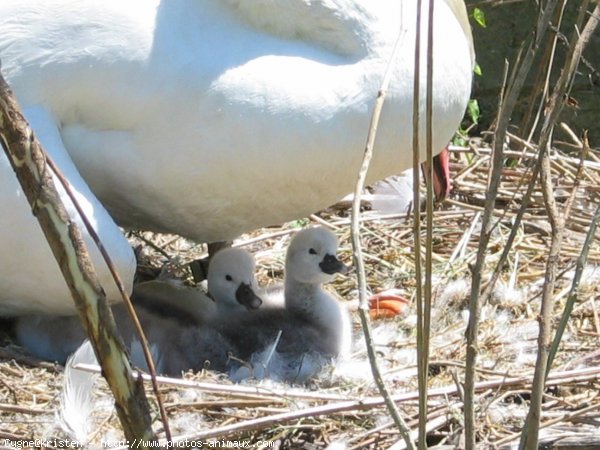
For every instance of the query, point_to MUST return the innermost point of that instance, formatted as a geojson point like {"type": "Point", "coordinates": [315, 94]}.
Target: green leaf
{"type": "Point", "coordinates": [459, 141]}
{"type": "Point", "coordinates": [300, 223]}
{"type": "Point", "coordinates": [477, 69]}
{"type": "Point", "coordinates": [473, 110]}
{"type": "Point", "coordinates": [479, 17]}
{"type": "Point", "coordinates": [461, 138]}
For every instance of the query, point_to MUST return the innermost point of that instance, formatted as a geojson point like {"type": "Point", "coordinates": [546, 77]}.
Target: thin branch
{"type": "Point", "coordinates": [416, 126]}
{"type": "Point", "coordinates": [119, 283]}
{"type": "Point", "coordinates": [562, 377]}
{"type": "Point", "coordinates": [572, 297]}
{"type": "Point", "coordinates": [363, 309]}
{"type": "Point", "coordinates": [65, 239]}
{"type": "Point", "coordinates": [587, 375]}
{"type": "Point", "coordinates": [505, 114]}
{"type": "Point", "coordinates": [529, 438]}
{"type": "Point", "coordinates": [424, 311]}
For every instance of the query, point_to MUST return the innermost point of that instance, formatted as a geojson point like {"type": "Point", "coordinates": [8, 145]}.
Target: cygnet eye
{"type": "Point", "coordinates": [228, 277]}
{"type": "Point", "coordinates": [312, 251]}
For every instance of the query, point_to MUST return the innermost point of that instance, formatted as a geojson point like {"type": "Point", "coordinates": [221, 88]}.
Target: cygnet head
{"type": "Point", "coordinates": [231, 280]}
{"type": "Point", "coordinates": [311, 257]}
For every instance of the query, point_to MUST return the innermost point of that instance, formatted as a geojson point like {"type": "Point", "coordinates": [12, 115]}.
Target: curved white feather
{"type": "Point", "coordinates": [76, 398]}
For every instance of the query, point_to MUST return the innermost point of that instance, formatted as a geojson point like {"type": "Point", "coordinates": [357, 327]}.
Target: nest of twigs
{"type": "Point", "coordinates": [343, 405]}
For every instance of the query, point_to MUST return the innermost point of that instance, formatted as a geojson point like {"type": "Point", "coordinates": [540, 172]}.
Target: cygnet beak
{"type": "Point", "coordinates": [331, 265]}
{"type": "Point", "coordinates": [246, 297]}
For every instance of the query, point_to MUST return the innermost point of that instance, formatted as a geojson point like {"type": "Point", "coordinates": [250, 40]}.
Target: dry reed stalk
{"type": "Point", "coordinates": [363, 308]}
{"type": "Point", "coordinates": [119, 283]}
{"type": "Point", "coordinates": [256, 392]}
{"type": "Point", "coordinates": [424, 303]}
{"type": "Point", "coordinates": [507, 107]}
{"type": "Point", "coordinates": [529, 439]}
{"type": "Point", "coordinates": [67, 244]}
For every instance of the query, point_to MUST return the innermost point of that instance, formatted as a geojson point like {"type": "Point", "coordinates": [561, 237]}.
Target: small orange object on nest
{"type": "Point", "coordinates": [388, 304]}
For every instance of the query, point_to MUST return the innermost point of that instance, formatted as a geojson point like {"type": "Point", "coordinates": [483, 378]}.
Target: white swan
{"type": "Point", "coordinates": [31, 280]}
{"type": "Point", "coordinates": [292, 343]}
{"type": "Point", "coordinates": [242, 112]}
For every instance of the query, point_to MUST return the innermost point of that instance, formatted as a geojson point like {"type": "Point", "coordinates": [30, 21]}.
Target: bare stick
{"type": "Point", "coordinates": [531, 431]}
{"type": "Point", "coordinates": [423, 298]}
{"type": "Point", "coordinates": [587, 375]}
{"type": "Point", "coordinates": [124, 296]}
{"type": "Point", "coordinates": [421, 374]}
{"type": "Point", "coordinates": [425, 333]}
{"type": "Point", "coordinates": [572, 297]}
{"type": "Point", "coordinates": [29, 163]}
{"type": "Point", "coordinates": [529, 438]}
{"type": "Point", "coordinates": [363, 309]}
{"type": "Point", "coordinates": [507, 107]}
{"type": "Point", "coordinates": [231, 389]}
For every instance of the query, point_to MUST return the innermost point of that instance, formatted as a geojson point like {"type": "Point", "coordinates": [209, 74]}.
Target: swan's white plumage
{"type": "Point", "coordinates": [31, 281]}
{"type": "Point", "coordinates": [52, 338]}
{"type": "Point", "coordinates": [240, 111]}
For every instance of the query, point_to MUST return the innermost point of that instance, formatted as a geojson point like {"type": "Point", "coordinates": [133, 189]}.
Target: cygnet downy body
{"type": "Point", "coordinates": [232, 285]}
{"type": "Point", "coordinates": [175, 346]}
{"type": "Point", "coordinates": [292, 343]}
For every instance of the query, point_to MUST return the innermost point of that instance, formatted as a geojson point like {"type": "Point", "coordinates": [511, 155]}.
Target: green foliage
{"type": "Point", "coordinates": [473, 111]}
{"type": "Point", "coordinates": [300, 223]}
{"type": "Point", "coordinates": [479, 17]}
{"type": "Point", "coordinates": [461, 138]}
{"type": "Point", "coordinates": [473, 114]}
